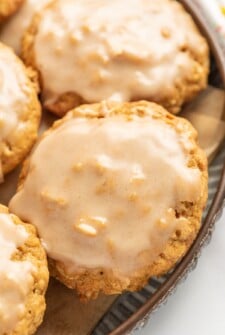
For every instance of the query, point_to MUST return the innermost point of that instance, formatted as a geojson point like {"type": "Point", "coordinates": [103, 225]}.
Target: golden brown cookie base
{"type": "Point", "coordinates": [33, 252]}
{"type": "Point", "coordinates": [8, 8]}
{"type": "Point", "coordinates": [88, 283]}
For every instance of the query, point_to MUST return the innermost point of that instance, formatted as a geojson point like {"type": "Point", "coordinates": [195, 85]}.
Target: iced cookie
{"type": "Point", "coordinates": [89, 51]}
{"type": "Point", "coordinates": [12, 31]}
{"type": "Point", "coordinates": [23, 276]}
{"type": "Point", "coordinates": [19, 110]}
{"type": "Point", "coordinates": [8, 7]}
{"type": "Point", "coordinates": [116, 192]}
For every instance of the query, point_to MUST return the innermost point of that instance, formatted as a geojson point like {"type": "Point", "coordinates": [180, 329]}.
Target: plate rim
{"type": "Point", "coordinates": [214, 211]}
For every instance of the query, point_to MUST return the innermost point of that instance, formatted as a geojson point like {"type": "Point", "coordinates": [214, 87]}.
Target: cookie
{"type": "Point", "coordinates": [116, 192]}
{"type": "Point", "coordinates": [23, 276]}
{"type": "Point", "coordinates": [20, 110]}
{"type": "Point", "coordinates": [12, 31]}
{"type": "Point", "coordinates": [8, 8]}
{"type": "Point", "coordinates": [89, 51]}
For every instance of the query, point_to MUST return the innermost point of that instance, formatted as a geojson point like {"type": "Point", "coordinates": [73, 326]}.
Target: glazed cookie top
{"type": "Point", "coordinates": [103, 188]}
{"type": "Point", "coordinates": [12, 31]}
{"type": "Point", "coordinates": [16, 279]}
{"type": "Point", "coordinates": [19, 110]}
{"type": "Point", "coordinates": [117, 50]}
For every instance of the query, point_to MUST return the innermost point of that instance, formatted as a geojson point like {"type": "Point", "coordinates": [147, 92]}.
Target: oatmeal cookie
{"type": "Point", "coordinates": [23, 276]}
{"type": "Point", "coordinates": [8, 7]}
{"type": "Point", "coordinates": [12, 31]}
{"type": "Point", "coordinates": [116, 191]}
{"type": "Point", "coordinates": [89, 51]}
{"type": "Point", "coordinates": [20, 110]}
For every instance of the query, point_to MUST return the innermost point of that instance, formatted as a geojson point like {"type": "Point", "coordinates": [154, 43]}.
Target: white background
{"type": "Point", "coordinates": [198, 306]}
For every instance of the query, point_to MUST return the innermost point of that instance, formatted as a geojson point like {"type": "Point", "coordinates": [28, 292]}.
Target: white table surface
{"type": "Point", "coordinates": [198, 306]}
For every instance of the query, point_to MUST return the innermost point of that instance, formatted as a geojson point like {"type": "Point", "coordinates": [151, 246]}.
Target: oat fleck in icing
{"type": "Point", "coordinates": [13, 96]}
{"type": "Point", "coordinates": [103, 192]}
{"type": "Point", "coordinates": [15, 276]}
{"type": "Point", "coordinates": [115, 50]}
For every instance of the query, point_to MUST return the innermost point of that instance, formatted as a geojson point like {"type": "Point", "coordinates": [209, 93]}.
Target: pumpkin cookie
{"type": "Point", "coordinates": [125, 201]}
{"type": "Point", "coordinates": [19, 110]}
{"type": "Point", "coordinates": [12, 31]}
{"type": "Point", "coordinates": [89, 51]}
{"type": "Point", "coordinates": [23, 276]}
{"type": "Point", "coordinates": [8, 7]}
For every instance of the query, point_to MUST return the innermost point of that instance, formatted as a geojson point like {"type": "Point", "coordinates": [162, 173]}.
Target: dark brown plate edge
{"type": "Point", "coordinates": [215, 209]}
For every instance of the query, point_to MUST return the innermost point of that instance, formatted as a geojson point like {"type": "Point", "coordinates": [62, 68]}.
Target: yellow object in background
{"type": "Point", "coordinates": [222, 8]}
